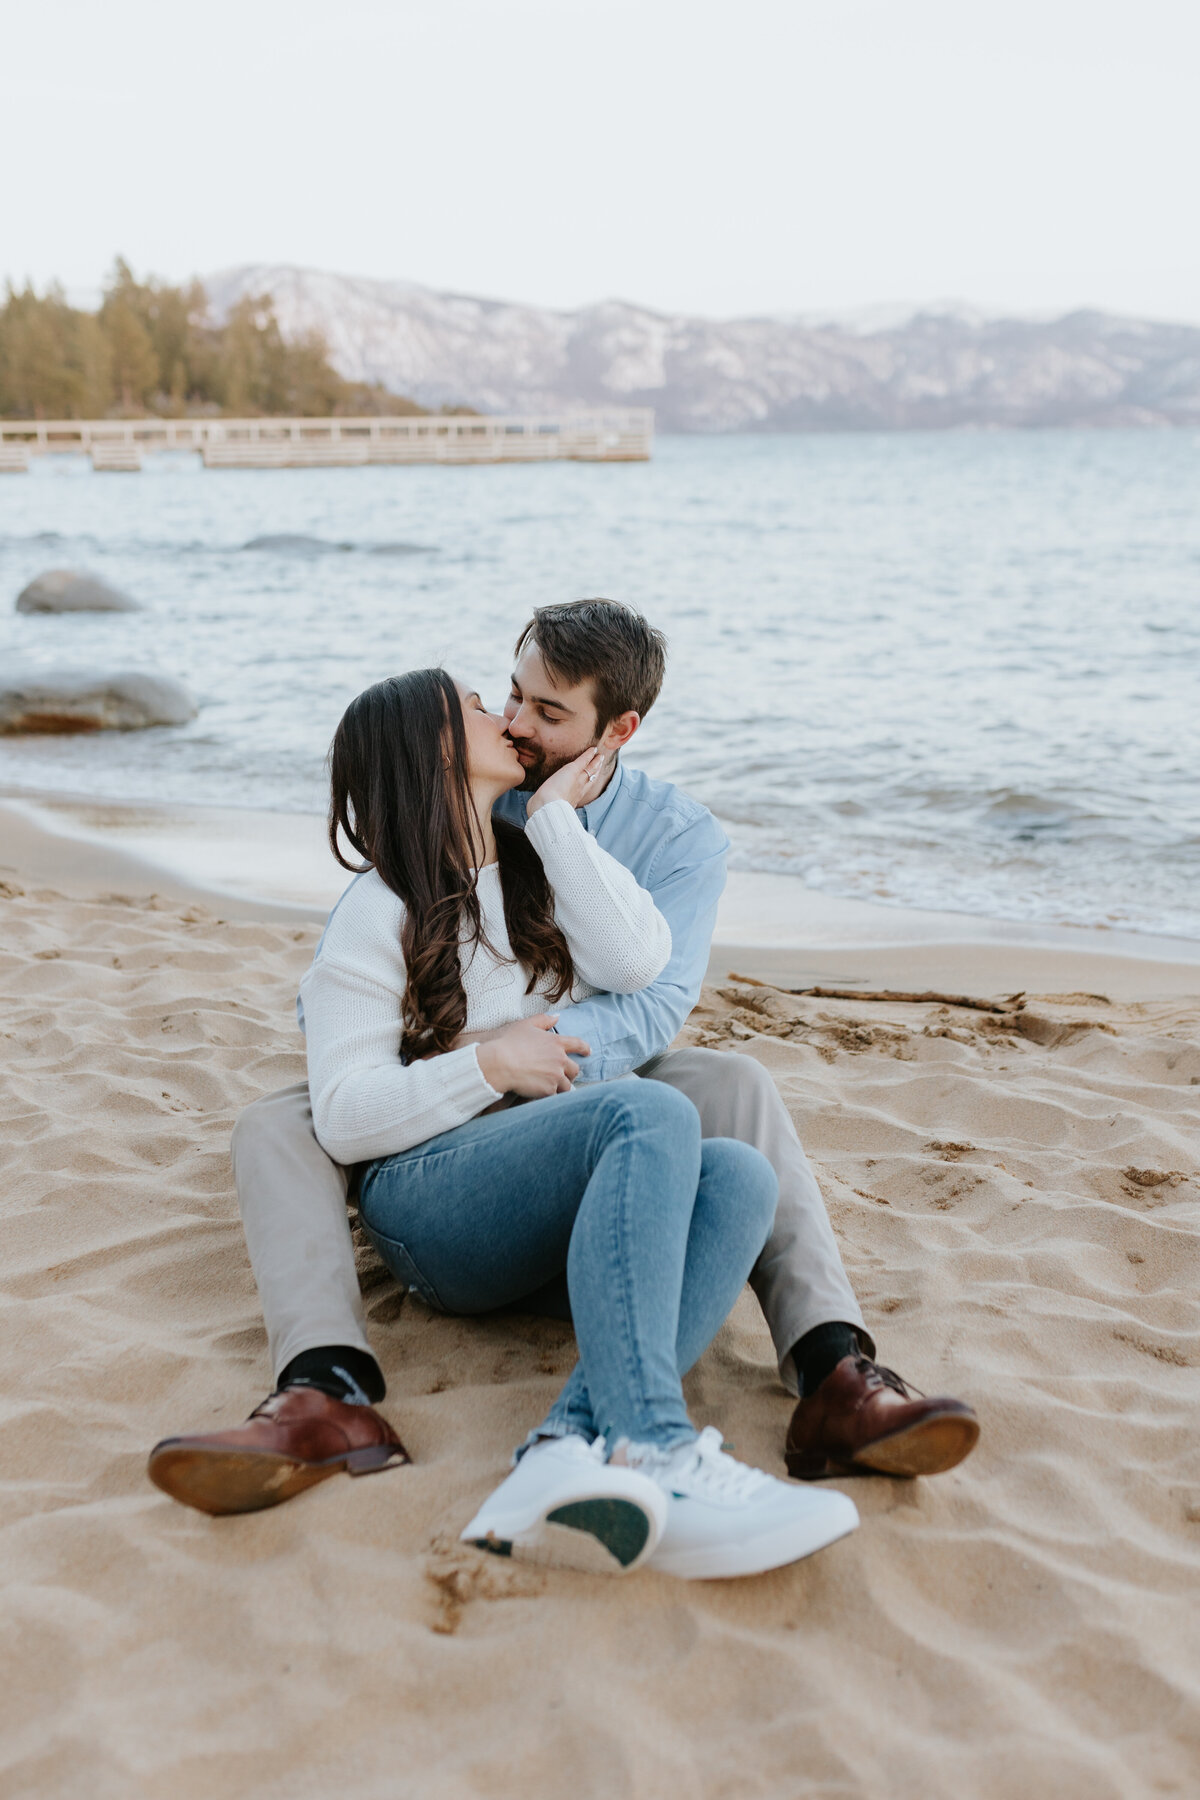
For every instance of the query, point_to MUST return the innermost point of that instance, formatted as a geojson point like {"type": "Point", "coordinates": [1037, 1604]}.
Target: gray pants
{"type": "Point", "coordinates": [293, 1201]}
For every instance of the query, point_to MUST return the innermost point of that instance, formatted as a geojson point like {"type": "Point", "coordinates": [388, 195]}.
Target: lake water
{"type": "Point", "coordinates": [952, 671]}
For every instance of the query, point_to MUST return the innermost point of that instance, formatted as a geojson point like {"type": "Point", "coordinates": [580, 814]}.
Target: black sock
{"type": "Point", "coordinates": [337, 1369]}
{"type": "Point", "coordinates": [820, 1351]}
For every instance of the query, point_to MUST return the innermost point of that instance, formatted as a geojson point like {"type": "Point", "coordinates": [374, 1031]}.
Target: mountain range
{"type": "Point", "coordinates": [881, 370]}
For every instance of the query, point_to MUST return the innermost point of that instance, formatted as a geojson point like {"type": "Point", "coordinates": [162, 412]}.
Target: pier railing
{"type": "Point", "coordinates": [621, 435]}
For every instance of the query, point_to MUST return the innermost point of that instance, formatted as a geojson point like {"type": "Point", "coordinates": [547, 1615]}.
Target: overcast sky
{"type": "Point", "coordinates": [745, 156]}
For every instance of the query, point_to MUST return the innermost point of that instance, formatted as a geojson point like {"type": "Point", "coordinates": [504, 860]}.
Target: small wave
{"type": "Point", "coordinates": [1027, 817]}
{"type": "Point", "coordinates": [295, 543]}
{"type": "Point", "coordinates": [45, 539]}
{"type": "Point", "coordinates": [298, 543]}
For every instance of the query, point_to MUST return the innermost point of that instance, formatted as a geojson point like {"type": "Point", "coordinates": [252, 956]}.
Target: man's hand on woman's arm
{"type": "Point", "coordinates": [478, 1037]}
{"type": "Point", "coordinates": [529, 1058]}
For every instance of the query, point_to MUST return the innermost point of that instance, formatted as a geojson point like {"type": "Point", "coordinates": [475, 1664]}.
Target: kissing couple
{"type": "Point", "coordinates": [489, 1018]}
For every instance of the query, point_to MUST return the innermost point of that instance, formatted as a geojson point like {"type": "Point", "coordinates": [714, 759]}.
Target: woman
{"type": "Point", "coordinates": [426, 1018]}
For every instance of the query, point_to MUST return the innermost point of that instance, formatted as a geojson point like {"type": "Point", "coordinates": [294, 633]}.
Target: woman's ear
{"type": "Point", "coordinates": [618, 731]}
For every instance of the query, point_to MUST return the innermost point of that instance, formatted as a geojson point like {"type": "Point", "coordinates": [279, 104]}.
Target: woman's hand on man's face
{"type": "Point", "coordinates": [530, 1059]}
{"type": "Point", "coordinates": [576, 782]}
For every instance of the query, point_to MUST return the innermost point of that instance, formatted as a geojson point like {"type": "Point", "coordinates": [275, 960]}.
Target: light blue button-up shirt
{"type": "Point", "coordinates": [675, 849]}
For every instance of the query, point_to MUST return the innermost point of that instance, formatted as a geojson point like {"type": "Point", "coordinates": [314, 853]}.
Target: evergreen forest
{"type": "Point", "coordinates": [152, 349]}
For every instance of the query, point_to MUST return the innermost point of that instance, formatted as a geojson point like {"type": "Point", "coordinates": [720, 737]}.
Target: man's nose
{"type": "Point", "coordinates": [519, 725]}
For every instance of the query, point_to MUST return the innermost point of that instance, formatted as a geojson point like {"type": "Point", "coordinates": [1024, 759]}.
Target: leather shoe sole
{"type": "Point", "coordinates": [930, 1446]}
{"type": "Point", "coordinates": [221, 1480]}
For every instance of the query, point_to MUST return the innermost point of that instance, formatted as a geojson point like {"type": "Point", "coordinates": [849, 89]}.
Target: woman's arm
{"type": "Point", "coordinates": [685, 878]}
{"type": "Point", "coordinates": [619, 940]}
{"type": "Point", "coordinates": [365, 1101]}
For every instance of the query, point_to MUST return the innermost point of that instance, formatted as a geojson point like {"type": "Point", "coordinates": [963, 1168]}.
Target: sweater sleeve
{"type": "Point", "coordinates": [365, 1101]}
{"type": "Point", "coordinates": [619, 940]}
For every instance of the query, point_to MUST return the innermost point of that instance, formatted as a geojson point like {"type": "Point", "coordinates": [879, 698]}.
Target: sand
{"type": "Point", "coordinates": [1019, 1207]}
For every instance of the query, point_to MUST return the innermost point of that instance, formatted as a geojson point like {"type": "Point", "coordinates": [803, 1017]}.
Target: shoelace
{"type": "Point", "coordinates": [887, 1377]}
{"type": "Point", "coordinates": [708, 1469]}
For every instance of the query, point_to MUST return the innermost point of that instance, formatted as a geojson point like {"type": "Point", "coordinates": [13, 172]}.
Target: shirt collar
{"type": "Point", "coordinates": [595, 813]}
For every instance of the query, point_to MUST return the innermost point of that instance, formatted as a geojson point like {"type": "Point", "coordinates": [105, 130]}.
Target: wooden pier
{"type": "Point", "coordinates": [120, 444]}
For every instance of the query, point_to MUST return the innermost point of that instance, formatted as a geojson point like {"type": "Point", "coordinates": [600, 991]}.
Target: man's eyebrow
{"type": "Point", "coordinates": [543, 700]}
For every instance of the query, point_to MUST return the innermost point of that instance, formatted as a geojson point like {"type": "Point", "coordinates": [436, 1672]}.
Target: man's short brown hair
{"type": "Point", "coordinates": [606, 643]}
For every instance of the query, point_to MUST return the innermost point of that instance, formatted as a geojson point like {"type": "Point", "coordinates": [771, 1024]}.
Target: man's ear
{"type": "Point", "coordinates": [618, 731]}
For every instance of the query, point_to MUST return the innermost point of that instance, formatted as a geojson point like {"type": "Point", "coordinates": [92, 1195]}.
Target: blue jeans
{"type": "Point", "coordinates": [655, 1230]}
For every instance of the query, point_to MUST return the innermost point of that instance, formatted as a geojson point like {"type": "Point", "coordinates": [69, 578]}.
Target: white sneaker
{"type": "Point", "coordinates": [565, 1507]}
{"type": "Point", "coordinates": [725, 1518]}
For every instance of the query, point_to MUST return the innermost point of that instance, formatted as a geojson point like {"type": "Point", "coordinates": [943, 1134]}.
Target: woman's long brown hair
{"type": "Point", "coordinates": [400, 794]}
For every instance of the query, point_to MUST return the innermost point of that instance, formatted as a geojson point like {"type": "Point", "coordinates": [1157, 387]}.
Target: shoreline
{"type": "Point", "coordinates": [277, 866]}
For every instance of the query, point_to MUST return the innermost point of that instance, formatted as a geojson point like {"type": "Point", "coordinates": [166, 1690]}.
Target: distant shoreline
{"type": "Point", "coordinates": [934, 366]}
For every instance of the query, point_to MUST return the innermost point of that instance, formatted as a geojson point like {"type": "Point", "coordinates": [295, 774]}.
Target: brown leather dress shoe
{"type": "Point", "coordinates": [863, 1419]}
{"type": "Point", "coordinates": [293, 1440]}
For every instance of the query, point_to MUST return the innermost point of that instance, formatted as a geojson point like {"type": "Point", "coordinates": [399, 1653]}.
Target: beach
{"type": "Point", "coordinates": [1017, 1198]}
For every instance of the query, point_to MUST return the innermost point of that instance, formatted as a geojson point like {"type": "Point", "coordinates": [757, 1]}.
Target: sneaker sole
{"type": "Point", "coordinates": [595, 1537]}
{"type": "Point", "coordinates": [773, 1550]}
{"type": "Point", "coordinates": [929, 1448]}
{"type": "Point", "coordinates": [219, 1482]}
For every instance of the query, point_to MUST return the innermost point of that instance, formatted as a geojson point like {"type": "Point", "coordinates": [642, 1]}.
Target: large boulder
{"type": "Point", "coordinates": [61, 700]}
{"type": "Point", "coordinates": [66, 590]}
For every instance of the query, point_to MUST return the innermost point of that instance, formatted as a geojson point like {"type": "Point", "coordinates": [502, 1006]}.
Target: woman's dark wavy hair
{"type": "Point", "coordinates": [400, 794]}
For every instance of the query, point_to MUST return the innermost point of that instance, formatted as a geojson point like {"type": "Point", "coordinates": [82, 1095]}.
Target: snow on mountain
{"type": "Point", "coordinates": [877, 369]}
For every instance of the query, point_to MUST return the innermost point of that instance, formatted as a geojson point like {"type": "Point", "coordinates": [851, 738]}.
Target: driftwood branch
{"type": "Point", "coordinates": [1014, 1003]}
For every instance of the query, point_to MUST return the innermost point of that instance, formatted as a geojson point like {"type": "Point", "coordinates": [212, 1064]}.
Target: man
{"type": "Point", "coordinates": [586, 674]}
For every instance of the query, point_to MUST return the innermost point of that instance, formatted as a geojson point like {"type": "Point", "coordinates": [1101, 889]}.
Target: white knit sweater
{"type": "Point", "coordinates": [367, 1103]}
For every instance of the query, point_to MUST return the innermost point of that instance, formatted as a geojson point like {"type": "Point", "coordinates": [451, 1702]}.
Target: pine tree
{"type": "Point", "coordinates": [41, 371]}
{"type": "Point", "coordinates": [238, 366]}
{"type": "Point", "coordinates": [134, 363]}
{"type": "Point", "coordinates": [95, 369]}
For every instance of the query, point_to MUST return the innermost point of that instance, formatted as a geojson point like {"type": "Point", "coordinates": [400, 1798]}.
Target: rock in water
{"type": "Point", "coordinates": [48, 700]}
{"type": "Point", "coordinates": [66, 590]}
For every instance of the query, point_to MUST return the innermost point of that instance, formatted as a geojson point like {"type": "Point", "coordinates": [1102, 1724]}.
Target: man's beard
{"type": "Point", "coordinates": [544, 767]}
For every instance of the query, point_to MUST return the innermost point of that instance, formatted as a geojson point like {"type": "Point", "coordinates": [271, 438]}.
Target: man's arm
{"type": "Point", "coordinates": [626, 1030]}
